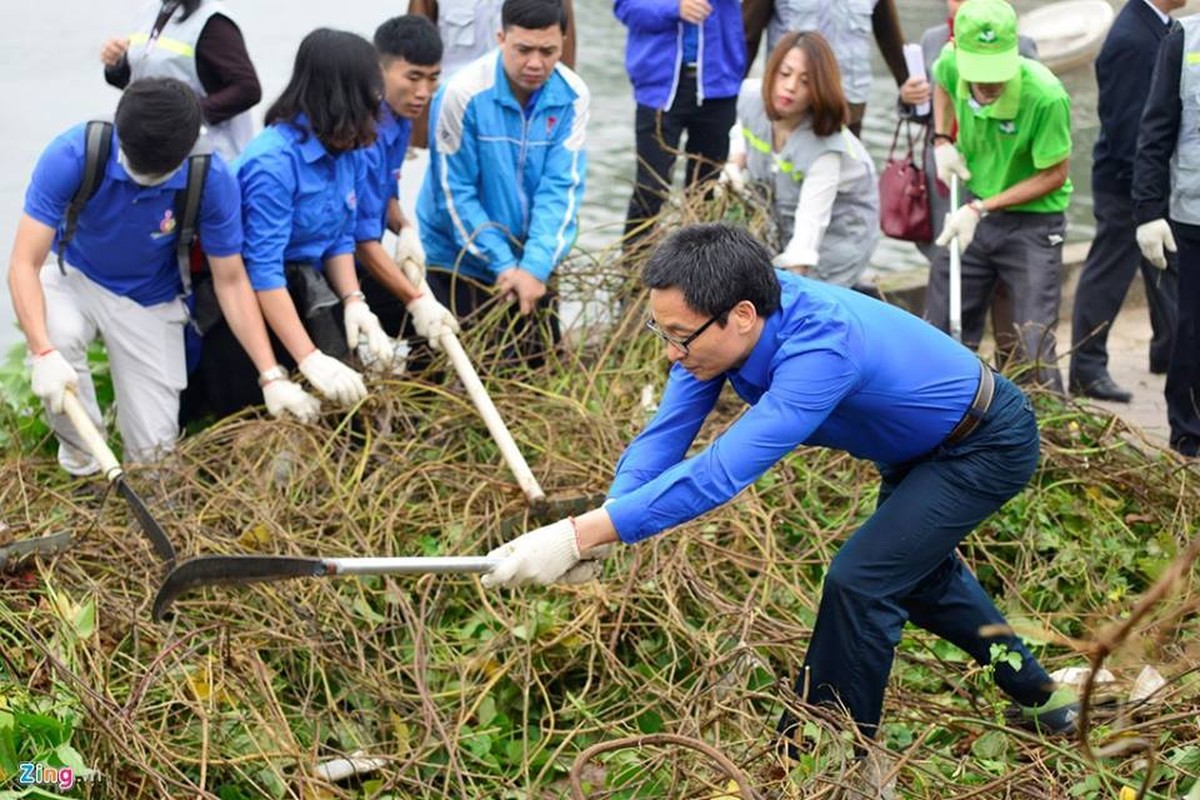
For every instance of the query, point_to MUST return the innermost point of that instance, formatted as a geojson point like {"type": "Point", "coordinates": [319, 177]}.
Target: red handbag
{"type": "Point", "coordinates": [903, 193]}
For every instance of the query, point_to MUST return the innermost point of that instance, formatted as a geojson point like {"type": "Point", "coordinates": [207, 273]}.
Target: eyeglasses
{"type": "Point", "coordinates": [682, 342]}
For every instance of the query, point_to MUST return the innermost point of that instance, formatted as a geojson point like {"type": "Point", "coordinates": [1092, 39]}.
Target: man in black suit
{"type": "Point", "coordinates": [1123, 71]}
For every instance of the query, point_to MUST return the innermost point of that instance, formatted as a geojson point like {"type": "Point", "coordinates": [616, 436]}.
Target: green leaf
{"type": "Point", "coordinates": [992, 746]}
{"type": "Point", "coordinates": [650, 722]}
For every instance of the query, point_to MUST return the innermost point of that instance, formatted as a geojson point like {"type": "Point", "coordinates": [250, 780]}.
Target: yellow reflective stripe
{"type": "Point", "coordinates": [755, 142]}
{"type": "Point", "coordinates": [1193, 58]}
{"type": "Point", "coordinates": [785, 166]}
{"type": "Point", "coordinates": [173, 45]}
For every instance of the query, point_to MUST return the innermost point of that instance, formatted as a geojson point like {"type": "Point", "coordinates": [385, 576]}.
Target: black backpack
{"type": "Point", "coordinates": [187, 200]}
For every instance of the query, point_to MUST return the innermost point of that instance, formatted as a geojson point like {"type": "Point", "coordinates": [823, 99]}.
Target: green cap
{"type": "Point", "coordinates": [985, 41]}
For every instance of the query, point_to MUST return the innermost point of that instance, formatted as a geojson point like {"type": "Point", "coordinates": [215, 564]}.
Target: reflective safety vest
{"type": "Point", "coordinates": [1185, 161]}
{"type": "Point", "coordinates": [853, 228]}
{"type": "Point", "coordinates": [468, 30]}
{"type": "Point", "coordinates": [845, 24]}
{"type": "Point", "coordinates": [172, 54]}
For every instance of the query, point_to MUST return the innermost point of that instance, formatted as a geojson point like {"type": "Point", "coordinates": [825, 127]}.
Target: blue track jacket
{"type": "Point", "coordinates": [654, 48]}
{"type": "Point", "coordinates": [504, 183]}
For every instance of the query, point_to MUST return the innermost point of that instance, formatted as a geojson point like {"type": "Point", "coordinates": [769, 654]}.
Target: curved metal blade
{"type": "Point", "coordinates": [158, 537]}
{"type": "Point", "coordinates": [206, 570]}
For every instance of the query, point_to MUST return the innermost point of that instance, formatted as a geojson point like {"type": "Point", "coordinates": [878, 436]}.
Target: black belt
{"type": "Point", "coordinates": [978, 408]}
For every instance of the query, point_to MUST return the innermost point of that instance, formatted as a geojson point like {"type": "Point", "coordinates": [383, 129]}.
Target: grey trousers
{"type": "Point", "coordinates": [1023, 251]}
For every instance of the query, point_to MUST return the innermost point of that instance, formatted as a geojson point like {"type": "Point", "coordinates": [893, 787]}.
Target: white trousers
{"type": "Point", "coordinates": [145, 356]}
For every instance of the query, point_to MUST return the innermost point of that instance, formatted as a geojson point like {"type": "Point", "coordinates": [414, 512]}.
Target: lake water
{"type": "Point", "coordinates": [51, 78]}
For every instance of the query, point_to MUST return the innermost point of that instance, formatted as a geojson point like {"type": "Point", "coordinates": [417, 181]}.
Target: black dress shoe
{"type": "Point", "coordinates": [1101, 389]}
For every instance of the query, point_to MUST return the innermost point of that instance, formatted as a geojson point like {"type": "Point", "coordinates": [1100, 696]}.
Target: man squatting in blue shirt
{"type": "Point", "coordinates": [822, 365]}
{"type": "Point", "coordinates": [119, 277]}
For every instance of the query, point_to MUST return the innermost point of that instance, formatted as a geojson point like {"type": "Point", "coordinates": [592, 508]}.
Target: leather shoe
{"type": "Point", "coordinates": [1101, 389]}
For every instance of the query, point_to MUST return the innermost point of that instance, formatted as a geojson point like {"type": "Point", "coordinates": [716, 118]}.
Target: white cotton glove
{"type": "Point", "coordinates": [52, 376]}
{"type": "Point", "coordinates": [961, 223]}
{"type": "Point", "coordinates": [1153, 237]}
{"type": "Point", "coordinates": [333, 379]}
{"type": "Point", "coordinates": [732, 177]}
{"type": "Point", "coordinates": [410, 254]}
{"type": "Point", "coordinates": [591, 564]}
{"type": "Point", "coordinates": [286, 397]}
{"type": "Point", "coordinates": [541, 556]}
{"type": "Point", "coordinates": [361, 323]}
{"type": "Point", "coordinates": [949, 162]}
{"type": "Point", "coordinates": [431, 319]}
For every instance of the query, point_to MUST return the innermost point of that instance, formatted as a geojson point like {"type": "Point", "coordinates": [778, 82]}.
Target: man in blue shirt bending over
{"type": "Point", "coordinates": [118, 276]}
{"type": "Point", "coordinates": [822, 365]}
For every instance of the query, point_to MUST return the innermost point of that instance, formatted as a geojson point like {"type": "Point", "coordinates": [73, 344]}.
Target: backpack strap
{"type": "Point", "coordinates": [187, 211]}
{"type": "Point", "coordinates": [98, 149]}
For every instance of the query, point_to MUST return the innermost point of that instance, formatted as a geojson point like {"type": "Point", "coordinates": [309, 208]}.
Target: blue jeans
{"type": "Point", "coordinates": [902, 565]}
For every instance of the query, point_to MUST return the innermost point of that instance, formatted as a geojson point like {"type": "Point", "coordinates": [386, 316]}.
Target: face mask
{"type": "Point", "coordinates": [144, 179]}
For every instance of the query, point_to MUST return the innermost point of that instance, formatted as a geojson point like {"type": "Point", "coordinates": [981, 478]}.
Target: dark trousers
{"type": "Point", "coordinates": [658, 134]}
{"type": "Point", "coordinates": [518, 340]}
{"type": "Point", "coordinates": [902, 566]}
{"type": "Point", "coordinates": [226, 380]}
{"type": "Point", "coordinates": [1024, 252]}
{"type": "Point", "coordinates": [1112, 260]}
{"type": "Point", "coordinates": [1183, 372]}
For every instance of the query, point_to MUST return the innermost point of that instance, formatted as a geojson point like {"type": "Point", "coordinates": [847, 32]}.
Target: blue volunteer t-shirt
{"type": "Point", "coordinates": [381, 171]}
{"type": "Point", "coordinates": [126, 236]}
{"type": "Point", "coordinates": [298, 202]}
{"type": "Point", "coordinates": [832, 367]}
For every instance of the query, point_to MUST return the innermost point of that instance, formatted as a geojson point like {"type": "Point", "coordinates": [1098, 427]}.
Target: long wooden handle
{"type": "Point", "coordinates": [491, 417]}
{"type": "Point", "coordinates": [92, 439]}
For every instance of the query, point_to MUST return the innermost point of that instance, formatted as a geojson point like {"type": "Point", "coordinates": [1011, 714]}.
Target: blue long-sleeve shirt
{"type": "Point", "coordinates": [379, 174]}
{"type": "Point", "coordinates": [298, 202]}
{"type": "Point", "coordinates": [832, 367]}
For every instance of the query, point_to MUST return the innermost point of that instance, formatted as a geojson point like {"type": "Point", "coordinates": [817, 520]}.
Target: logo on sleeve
{"type": "Point", "coordinates": [166, 226]}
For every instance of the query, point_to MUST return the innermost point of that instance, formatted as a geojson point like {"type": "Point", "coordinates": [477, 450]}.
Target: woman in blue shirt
{"type": "Point", "coordinates": [299, 208]}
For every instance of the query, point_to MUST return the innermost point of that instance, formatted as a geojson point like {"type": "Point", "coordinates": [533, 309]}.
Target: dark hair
{"type": "Point", "coordinates": [189, 8]}
{"type": "Point", "coordinates": [337, 84]}
{"type": "Point", "coordinates": [157, 122]}
{"type": "Point", "coordinates": [827, 103]}
{"type": "Point", "coordinates": [533, 14]}
{"type": "Point", "coordinates": [412, 37]}
{"type": "Point", "coordinates": [715, 266]}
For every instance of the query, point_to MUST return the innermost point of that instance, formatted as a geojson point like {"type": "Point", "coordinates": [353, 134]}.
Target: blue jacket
{"type": "Point", "coordinates": [654, 50]}
{"type": "Point", "coordinates": [504, 183]}
{"type": "Point", "coordinates": [1123, 71]}
{"type": "Point", "coordinates": [833, 368]}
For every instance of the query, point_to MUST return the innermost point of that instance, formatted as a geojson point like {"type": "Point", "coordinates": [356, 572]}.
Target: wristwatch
{"type": "Point", "coordinates": [275, 373]}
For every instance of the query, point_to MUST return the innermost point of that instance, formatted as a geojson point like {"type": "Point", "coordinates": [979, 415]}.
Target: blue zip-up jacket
{"type": "Point", "coordinates": [654, 50]}
{"type": "Point", "coordinates": [504, 183]}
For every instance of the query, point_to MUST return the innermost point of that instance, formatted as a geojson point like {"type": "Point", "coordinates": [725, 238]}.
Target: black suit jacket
{"type": "Point", "coordinates": [1123, 71]}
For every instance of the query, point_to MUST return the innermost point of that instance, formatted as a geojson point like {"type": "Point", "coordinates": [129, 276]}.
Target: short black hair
{"type": "Point", "coordinates": [337, 84]}
{"type": "Point", "coordinates": [715, 266]}
{"type": "Point", "coordinates": [411, 37]}
{"type": "Point", "coordinates": [157, 122]}
{"type": "Point", "coordinates": [533, 14]}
